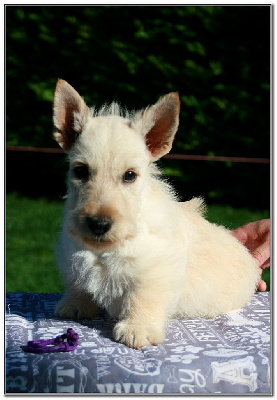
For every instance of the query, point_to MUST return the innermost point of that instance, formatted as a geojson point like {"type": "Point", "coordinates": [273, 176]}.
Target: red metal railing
{"type": "Point", "coordinates": [169, 156]}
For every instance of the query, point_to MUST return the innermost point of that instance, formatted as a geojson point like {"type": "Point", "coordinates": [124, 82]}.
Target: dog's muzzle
{"type": "Point", "coordinates": [98, 226]}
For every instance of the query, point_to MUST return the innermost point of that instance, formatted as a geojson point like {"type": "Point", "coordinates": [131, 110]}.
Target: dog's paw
{"type": "Point", "coordinates": [138, 334]}
{"type": "Point", "coordinates": [75, 309]}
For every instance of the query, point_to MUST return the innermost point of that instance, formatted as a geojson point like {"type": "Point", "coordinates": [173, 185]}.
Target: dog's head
{"type": "Point", "coordinates": [110, 154]}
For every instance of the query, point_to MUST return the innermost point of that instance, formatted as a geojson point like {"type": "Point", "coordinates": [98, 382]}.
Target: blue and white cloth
{"type": "Point", "coordinates": [229, 354]}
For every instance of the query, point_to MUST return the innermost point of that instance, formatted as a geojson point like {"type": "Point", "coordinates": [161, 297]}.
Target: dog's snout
{"type": "Point", "coordinates": [99, 225]}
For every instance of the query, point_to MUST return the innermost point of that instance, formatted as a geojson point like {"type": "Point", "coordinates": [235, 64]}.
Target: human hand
{"type": "Point", "coordinates": [256, 237]}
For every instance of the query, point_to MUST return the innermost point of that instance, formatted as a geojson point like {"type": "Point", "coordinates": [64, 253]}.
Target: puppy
{"type": "Point", "coordinates": [127, 244]}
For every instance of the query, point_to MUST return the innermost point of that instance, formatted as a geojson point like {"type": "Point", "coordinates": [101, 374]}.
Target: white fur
{"type": "Point", "coordinates": [161, 259]}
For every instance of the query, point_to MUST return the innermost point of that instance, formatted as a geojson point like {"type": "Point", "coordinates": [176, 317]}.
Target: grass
{"type": "Point", "coordinates": [32, 228]}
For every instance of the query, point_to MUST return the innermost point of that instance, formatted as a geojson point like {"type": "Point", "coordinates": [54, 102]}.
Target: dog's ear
{"type": "Point", "coordinates": [70, 114]}
{"type": "Point", "coordinates": [160, 123]}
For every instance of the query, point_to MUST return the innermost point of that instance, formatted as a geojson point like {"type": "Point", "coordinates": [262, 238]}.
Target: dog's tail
{"type": "Point", "coordinates": [196, 204]}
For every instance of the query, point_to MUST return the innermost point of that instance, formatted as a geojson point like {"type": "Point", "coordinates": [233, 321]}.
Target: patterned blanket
{"type": "Point", "coordinates": [229, 354]}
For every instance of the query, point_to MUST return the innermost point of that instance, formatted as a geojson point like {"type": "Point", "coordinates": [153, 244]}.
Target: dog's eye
{"type": "Point", "coordinates": [81, 172]}
{"type": "Point", "coordinates": [129, 176]}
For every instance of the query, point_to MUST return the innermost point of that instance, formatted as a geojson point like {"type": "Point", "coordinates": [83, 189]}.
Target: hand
{"type": "Point", "coordinates": [256, 237]}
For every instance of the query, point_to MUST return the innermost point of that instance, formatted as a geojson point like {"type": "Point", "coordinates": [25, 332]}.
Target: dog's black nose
{"type": "Point", "coordinates": [99, 225]}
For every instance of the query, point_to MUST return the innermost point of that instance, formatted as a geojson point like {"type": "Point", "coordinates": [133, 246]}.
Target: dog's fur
{"type": "Point", "coordinates": [156, 258]}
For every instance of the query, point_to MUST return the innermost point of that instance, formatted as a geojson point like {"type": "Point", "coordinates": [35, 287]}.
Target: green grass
{"type": "Point", "coordinates": [32, 228]}
{"type": "Point", "coordinates": [233, 217]}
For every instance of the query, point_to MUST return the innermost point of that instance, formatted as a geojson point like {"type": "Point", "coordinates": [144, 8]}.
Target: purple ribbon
{"type": "Point", "coordinates": [66, 342]}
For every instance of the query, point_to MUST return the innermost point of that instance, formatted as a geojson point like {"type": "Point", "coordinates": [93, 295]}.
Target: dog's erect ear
{"type": "Point", "coordinates": [70, 114]}
{"type": "Point", "coordinates": [160, 123]}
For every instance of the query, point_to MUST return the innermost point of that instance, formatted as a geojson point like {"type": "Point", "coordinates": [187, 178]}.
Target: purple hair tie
{"type": "Point", "coordinates": [66, 342]}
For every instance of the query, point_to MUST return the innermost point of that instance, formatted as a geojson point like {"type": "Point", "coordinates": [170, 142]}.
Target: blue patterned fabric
{"type": "Point", "coordinates": [229, 354]}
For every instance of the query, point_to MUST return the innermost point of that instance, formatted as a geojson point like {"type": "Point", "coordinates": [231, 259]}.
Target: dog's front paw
{"type": "Point", "coordinates": [76, 309]}
{"type": "Point", "coordinates": [137, 334]}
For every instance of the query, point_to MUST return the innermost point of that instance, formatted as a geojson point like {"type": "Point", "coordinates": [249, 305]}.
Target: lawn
{"type": "Point", "coordinates": [32, 228]}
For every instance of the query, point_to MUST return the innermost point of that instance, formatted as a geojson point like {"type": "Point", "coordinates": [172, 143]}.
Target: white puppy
{"type": "Point", "coordinates": [127, 244]}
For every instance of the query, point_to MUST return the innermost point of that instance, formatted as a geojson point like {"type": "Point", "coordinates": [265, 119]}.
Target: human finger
{"type": "Point", "coordinates": [266, 264]}
{"type": "Point", "coordinates": [261, 253]}
{"type": "Point", "coordinates": [261, 285]}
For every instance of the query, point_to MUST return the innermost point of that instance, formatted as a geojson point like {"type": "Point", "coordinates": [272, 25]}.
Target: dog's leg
{"type": "Point", "coordinates": [145, 322]}
{"type": "Point", "coordinates": [76, 305]}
